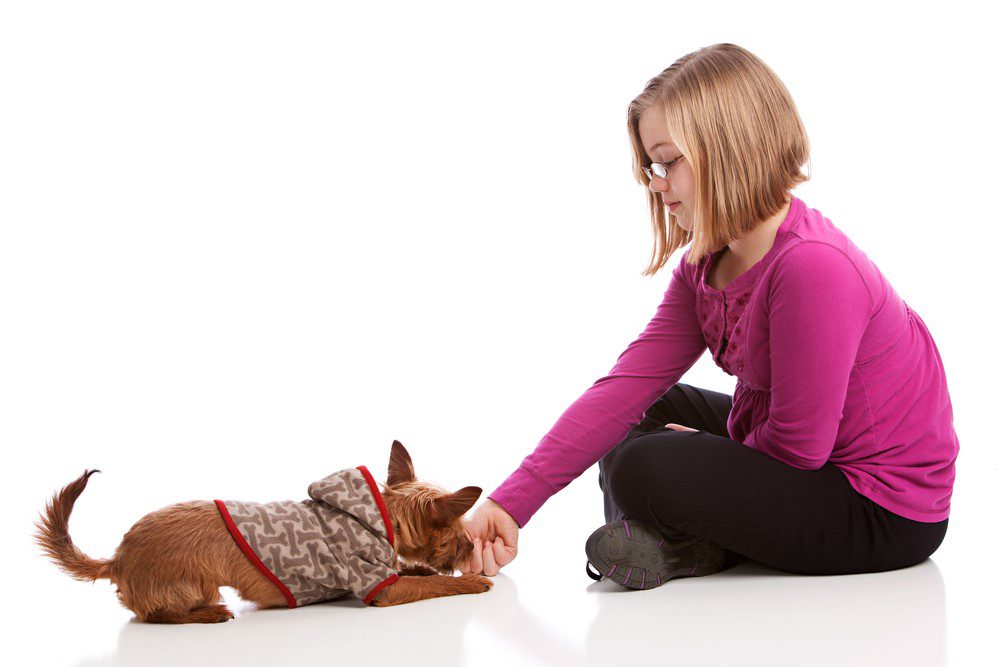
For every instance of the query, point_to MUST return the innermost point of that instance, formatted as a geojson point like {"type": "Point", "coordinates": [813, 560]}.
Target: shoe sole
{"type": "Point", "coordinates": [634, 555]}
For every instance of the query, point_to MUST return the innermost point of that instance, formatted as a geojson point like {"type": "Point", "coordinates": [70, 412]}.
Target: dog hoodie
{"type": "Point", "coordinates": [338, 541]}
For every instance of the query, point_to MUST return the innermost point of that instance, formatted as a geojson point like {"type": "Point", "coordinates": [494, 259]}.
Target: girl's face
{"type": "Point", "coordinates": [678, 186]}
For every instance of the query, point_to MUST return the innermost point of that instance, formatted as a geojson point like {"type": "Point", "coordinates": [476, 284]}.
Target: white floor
{"type": "Point", "coordinates": [543, 610]}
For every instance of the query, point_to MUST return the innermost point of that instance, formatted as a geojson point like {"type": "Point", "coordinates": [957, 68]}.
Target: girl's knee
{"type": "Point", "coordinates": [645, 457]}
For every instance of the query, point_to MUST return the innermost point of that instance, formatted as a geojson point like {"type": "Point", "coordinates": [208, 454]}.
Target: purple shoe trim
{"type": "Point", "coordinates": [628, 574]}
{"type": "Point", "coordinates": [628, 535]}
{"type": "Point", "coordinates": [694, 569]}
{"type": "Point", "coordinates": [643, 584]}
{"type": "Point", "coordinates": [611, 570]}
{"type": "Point", "coordinates": [657, 580]}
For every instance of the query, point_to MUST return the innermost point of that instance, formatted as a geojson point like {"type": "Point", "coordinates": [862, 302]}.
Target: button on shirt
{"type": "Point", "coordinates": [831, 366]}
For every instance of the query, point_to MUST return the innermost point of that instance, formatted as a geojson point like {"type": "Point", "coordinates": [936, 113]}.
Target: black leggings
{"type": "Point", "coordinates": [703, 484]}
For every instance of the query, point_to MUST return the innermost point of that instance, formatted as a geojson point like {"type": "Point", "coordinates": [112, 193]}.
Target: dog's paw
{"type": "Point", "coordinates": [476, 583]}
{"type": "Point", "coordinates": [216, 613]}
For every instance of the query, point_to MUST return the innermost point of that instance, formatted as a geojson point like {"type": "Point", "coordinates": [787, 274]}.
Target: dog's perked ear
{"type": "Point", "coordinates": [446, 509]}
{"type": "Point", "coordinates": [400, 465]}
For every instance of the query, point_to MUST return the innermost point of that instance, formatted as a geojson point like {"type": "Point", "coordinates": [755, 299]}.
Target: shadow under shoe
{"type": "Point", "coordinates": [633, 554]}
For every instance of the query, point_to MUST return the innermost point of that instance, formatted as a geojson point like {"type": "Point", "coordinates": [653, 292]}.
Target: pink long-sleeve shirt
{"type": "Point", "coordinates": [831, 366]}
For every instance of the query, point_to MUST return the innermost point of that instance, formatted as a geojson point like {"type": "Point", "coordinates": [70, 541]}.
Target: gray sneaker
{"type": "Point", "coordinates": [635, 555]}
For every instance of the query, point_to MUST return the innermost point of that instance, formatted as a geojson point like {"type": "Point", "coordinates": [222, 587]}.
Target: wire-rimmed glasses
{"type": "Point", "coordinates": [659, 169]}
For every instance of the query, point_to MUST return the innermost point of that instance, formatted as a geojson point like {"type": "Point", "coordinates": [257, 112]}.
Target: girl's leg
{"type": "Point", "coordinates": [682, 404]}
{"type": "Point", "coordinates": [688, 483]}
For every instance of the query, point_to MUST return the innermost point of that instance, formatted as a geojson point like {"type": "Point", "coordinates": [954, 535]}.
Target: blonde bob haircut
{"type": "Point", "coordinates": [734, 121]}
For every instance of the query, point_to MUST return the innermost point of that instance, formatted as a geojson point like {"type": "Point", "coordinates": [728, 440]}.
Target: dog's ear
{"type": "Point", "coordinates": [400, 465]}
{"type": "Point", "coordinates": [446, 509]}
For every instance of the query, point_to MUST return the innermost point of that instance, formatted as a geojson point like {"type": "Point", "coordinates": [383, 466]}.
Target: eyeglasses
{"type": "Point", "coordinates": [659, 169]}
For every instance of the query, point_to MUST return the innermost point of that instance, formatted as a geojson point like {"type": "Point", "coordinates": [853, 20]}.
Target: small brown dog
{"type": "Point", "coordinates": [386, 547]}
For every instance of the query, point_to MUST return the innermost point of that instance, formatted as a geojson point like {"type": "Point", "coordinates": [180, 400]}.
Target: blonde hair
{"type": "Point", "coordinates": [734, 121]}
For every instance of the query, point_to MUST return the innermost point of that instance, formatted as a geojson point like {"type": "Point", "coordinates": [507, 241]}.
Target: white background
{"type": "Point", "coordinates": [246, 244]}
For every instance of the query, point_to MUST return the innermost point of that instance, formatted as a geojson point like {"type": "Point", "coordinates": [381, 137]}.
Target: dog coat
{"type": "Point", "coordinates": [337, 542]}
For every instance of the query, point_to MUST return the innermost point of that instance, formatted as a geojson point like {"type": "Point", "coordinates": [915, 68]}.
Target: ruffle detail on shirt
{"type": "Point", "coordinates": [751, 406]}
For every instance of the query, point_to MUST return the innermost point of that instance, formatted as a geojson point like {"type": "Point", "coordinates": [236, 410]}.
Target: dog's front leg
{"type": "Point", "coordinates": [411, 589]}
{"type": "Point", "coordinates": [417, 570]}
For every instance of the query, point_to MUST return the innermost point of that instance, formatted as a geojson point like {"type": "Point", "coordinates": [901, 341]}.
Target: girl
{"type": "Point", "coordinates": [836, 452]}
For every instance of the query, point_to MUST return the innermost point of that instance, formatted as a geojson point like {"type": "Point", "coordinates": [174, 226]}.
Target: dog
{"type": "Point", "coordinates": [388, 547]}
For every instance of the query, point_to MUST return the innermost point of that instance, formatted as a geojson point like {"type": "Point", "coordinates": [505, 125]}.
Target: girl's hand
{"type": "Point", "coordinates": [678, 427]}
{"type": "Point", "coordinates": [494, 539]}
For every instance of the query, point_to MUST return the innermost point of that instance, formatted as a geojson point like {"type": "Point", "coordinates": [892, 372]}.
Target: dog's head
{"type": "Point", "coordinates": [426, 519]}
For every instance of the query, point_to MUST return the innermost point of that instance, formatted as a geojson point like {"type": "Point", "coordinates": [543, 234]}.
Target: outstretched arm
{"type": "Point", "coordinates": [599, 419]}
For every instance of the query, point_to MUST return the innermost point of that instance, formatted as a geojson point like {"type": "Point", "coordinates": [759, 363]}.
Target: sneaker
{"type": "Point", "coordinates": [635, 555]}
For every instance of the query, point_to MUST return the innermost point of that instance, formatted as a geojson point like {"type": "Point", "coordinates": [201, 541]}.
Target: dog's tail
{"type": "Point", "coordinates": [53, 535]}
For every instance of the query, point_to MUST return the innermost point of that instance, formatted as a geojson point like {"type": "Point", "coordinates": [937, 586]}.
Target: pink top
{"type": "Point", "coordinates": [855, 378]}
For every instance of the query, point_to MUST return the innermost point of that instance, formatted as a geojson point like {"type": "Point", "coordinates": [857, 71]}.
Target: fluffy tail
{"type": "Point", "coordinates": [53, 535]}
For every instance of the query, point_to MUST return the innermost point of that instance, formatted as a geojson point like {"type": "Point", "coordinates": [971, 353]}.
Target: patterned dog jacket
{"type": "Point", "coordinates": [339, 541]}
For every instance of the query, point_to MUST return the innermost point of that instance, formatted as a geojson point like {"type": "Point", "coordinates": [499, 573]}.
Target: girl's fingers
{"type": "Point", "coordinates": [501, 554]}
{"type": "Point", "coordinates": [678, 427]}
{"type": "Point", "coordinates": [476, 561]}
{"type": "Point", "coordinates": [490, 566]}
